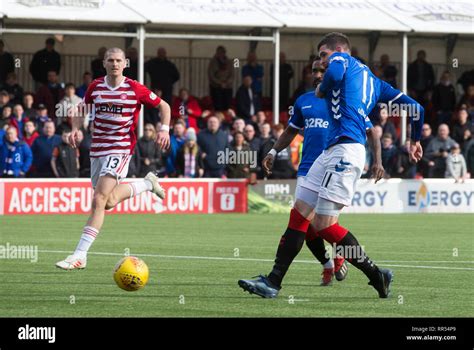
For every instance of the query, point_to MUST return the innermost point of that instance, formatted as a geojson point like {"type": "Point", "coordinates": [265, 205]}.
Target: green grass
{"type": "Point", "coordinates": [210, 286]}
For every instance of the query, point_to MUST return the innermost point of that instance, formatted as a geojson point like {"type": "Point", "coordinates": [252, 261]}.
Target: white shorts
{"type": "Point", "coordinates": [302, 194]}
{"type": "Point", "coordinates": [335, 172]}
{"type": "Point", "coordinates": [115, 165]}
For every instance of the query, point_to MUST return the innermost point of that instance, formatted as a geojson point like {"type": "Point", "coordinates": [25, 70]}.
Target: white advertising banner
{"type": "Point", "coordinates": [413, 196]}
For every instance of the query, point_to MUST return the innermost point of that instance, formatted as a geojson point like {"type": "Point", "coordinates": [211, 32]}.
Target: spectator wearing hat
{"type": "Point", "coordinates": [41, 118]}
{"type": "Point", "coordinates": [189, 162]}
{"type": "Point", "coordinates": [456, 167]}
{"type": "Point", "coordinates": [45, 61]}
{"type": "Point", "coordinates": [15, 155]}
{"type": "Point", "coordinates": [7, 63]}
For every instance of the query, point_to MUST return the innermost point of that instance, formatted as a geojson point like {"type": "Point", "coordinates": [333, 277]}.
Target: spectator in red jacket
{"type": "Point", "coordinates": [17, 120]}
{"type": "Point", "coordinates": [29, 132]}
{"type": "Point", "coordinates": [186, 107]}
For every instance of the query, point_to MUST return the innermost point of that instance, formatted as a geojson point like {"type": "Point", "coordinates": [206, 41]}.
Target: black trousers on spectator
{"type": "Point", "coordinates": [221, 98]}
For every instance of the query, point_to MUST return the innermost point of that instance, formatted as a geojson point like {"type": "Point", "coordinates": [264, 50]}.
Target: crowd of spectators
{"type": "Point", "coordinates": [34, 128]}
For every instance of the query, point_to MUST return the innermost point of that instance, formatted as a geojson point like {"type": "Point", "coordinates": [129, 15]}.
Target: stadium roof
{"type": "Point", "coordinates": [325, 14]}
{"type": "Point", "coordinates": [102, 11]}
{"type": "Point", "coordinates": [456, 17]}
{"type": "Point", "coordinates": [209, 13]}
{"type": "Point", "coordinates": [421, 16]}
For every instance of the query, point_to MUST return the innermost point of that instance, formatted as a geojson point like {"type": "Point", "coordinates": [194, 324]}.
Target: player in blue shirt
{"type": "Point", "coordinates": [351, 91]}
{"type": "Point", "coordinates": [311, 114]}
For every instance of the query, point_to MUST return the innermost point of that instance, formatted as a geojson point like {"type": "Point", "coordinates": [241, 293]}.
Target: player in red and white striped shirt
{"type": "Point", "coordinates": [115, 102]}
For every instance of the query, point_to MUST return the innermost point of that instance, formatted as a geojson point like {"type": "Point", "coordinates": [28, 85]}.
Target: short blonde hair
{"type": "Point", "coordinates": [114, 50]}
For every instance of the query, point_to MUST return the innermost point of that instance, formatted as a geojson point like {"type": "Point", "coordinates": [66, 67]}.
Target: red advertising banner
{"type": "Point", "coordinates": [61, 196]}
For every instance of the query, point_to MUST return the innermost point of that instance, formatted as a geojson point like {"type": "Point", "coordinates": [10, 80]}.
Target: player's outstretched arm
{"type": "Point", "coordinates": [377, 169]}
{"type": "Point", "coordinates": [283, 141]}
{"type": "Point", "coordinates": [415, 112]}
{"type": "Point", "coordinates": [163, 138]}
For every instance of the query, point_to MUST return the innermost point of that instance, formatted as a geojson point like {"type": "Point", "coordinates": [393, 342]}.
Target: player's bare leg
{"type": "Point", "coordinates": [124, 191]}
{"type": "Point", "coordinates": [78, 260]}
{"type": "Point", "coordinates": [105, 186]}
{"type": "Point", "coordinates": [107, 195]}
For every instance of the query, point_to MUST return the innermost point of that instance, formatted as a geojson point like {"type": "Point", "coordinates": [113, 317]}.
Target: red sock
{"type": "Point", "coordinates": [311, 234]}
{"type": "Point", "coordinates": [333, 233]}
{"type": "Point", "coordinates": [297, 221]}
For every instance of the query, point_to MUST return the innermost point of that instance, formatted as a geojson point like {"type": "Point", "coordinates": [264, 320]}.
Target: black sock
{"type": "Point", "coordinates": [357, 256]}
{"type": "Point", "coordinates": [290, 245]}
{"type": "Point", "coordinates": [318, 249]}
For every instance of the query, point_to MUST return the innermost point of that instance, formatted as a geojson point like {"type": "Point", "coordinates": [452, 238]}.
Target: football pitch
{"type": "Point", "coordinates": [196, 260]}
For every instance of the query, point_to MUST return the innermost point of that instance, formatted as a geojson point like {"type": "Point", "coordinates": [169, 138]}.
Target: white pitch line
{"type": "Point", "coordinates": [245, 259]}
{"type": "Point", "coordinates": [427, 261]}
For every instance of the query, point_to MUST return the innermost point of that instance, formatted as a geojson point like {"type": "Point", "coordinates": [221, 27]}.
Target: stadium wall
{"type": "Point", "coordinates": [74, 196]}
{"type": "Point", "coordinates": [208, 196]}
{"type": "Point", "coordinates": [389, 196]}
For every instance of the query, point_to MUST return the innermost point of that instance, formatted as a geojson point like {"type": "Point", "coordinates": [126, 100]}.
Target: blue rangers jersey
{"type": "Point", "coordinates": [351, 91]}
{"type": "Point", "coordinates": [311, 114]}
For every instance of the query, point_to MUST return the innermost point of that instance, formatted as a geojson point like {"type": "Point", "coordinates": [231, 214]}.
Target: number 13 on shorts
{"type": "Point", "coordinates": [113, 162]}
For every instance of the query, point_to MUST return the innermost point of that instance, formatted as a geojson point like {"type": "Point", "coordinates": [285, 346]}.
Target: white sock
{"type": "Point", "coordinates": [329, 264]}
{"type": "Point", "coordinates": [88, 237]}
{"type": "Point", "coordinates": [138, 187]}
